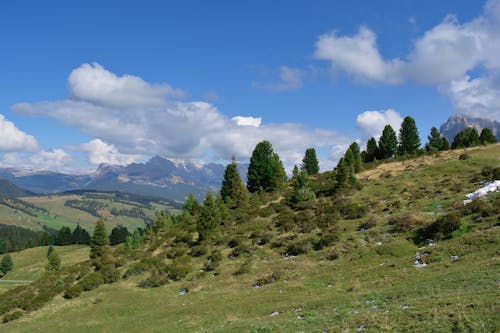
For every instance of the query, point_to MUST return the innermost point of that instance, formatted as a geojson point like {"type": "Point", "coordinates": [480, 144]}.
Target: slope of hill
{"type": "Point", "coordinates": [10, 190]}
{"type": "Point", "coordinates": [399, 252]}
{"type": "Point", "coordinates": [459, 122]}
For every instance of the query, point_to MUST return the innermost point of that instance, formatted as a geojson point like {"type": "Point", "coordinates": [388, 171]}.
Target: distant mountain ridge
{"type": "Point", "coordinates": [459, 122]}
{"type": "Point", "coordinates": [11, 190]}
{"type": "Point", "coordinates": [157, 177]}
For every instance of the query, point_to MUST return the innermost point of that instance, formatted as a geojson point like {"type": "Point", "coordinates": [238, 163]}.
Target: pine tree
{"type": "Point", "coordinates": [310, 162]}
{"type": "Point", "coordinates": [387, 144]}
{"type": "Point", "coordinates": [409, 140]}
{"type": "Point", "coordinates": [6, 265]}
{"type": "Point", "coordinates": [209, 219]}
{"type": "Point", "coordinates": [118, 235]}
{"type": "Point", "coordinates": [54, 262]}
{"type": "Point", "coordinates": [301, 190]}
{"type": "Point", "coordinates": [265, 172]}
{"type": "Point", "coordinates": [233, 190]}
{"type": "Point", "coordinates": [191, 205]}
{"type": "Point", "coordinates": [64, 236]}
{"type": "Point", "coordinates": [99, 247]}
{"type": "Point", "coordinates": [371, 150]}
{"type": "Point", "coordinates": [466, 138]}
{"type": "Point", "coordinates": [342, 172]}
{"type": "Point", "coordinates": [487, 136]}
{"type": "Point", "coordinates": [437, 142]}
{"type": "Point", "coordinates": [160, 223]}
{"type": "Point", "coordinates": [358, 161]}
{"type": "Point", "coordinates": [77, 236]}
{"type": "Point", "coordinates": [50, 250]}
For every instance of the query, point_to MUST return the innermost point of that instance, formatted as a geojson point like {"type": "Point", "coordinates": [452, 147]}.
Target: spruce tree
{"type": "Point", "coordinates": [191, 205]}
{"type": "Point", "coordinates": [6, 265]}
{"type": "Point", "coordinates": [487, 136]}
{"type": "Point", "coordinates": [265, 172]}
{"type": "Point", "coordinates": [342, 172]}
{"type": "Point", "coordinates": [409, 140]}
{"type": "Point", "coordinates": [233, 191]}
{"type": "Point", "coordinates": [99, 247]}
{"type": "Point", "coordinates": [310, 162]}
{"type": "Point", "coordinates": [356, 154]}
{"type": "Point", "coordinates": [387, 144]}
{"type": "Point", "coordinates": [209, 219]}
{"type": "Point", "coordinates": [54, 262]}
{"type": "Point", "coordinates": [371, 150]}
{"type": "Point", "coordinates": [466, 138]}
{"type": "Point", "coordinates": [118, 235]}
{"type": "Point", "coordinates": [50, 250]}
{"type": "Point", "coordinates": [64, 236]}
{"type": "Point", "coordinates": [301, 190]}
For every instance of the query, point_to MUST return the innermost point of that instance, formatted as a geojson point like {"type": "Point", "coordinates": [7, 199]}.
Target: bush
{"type": "Point", "coordinates": [177, 251]}
{"type": "Point", "coordinates": [213, 261]}
{"type": "Point", "coordinates": [353, 211]}
{"type": "Point", "coordinates": [266, 279]}
{"type": "Point", "coordinates": [285, 221]}
{"type": "Point", "coordinates": [92, 281]}
{"type": "Point", "coordinates": [12, 316]}
{"type": "Point", "coordinates": [306, 220]}
{"type": "Point", "coordinates": [368, 224]}
{"type": "Point", "coordinates": [298, 247]}
{"type": "Point", "coordinates": [443, 226]}
{"type": "Point", "coordinates": [74, 291]}
{"type": "Point", "coordinates": [244, 268]}
{"type": "Point", "coordinates": [179, 268]}
{"type": "Point", "coordinates": [404, 223]}
{"type": "Point", "coordinates": [260, 238]}
{"type": "Point", "coordinates": [464, 157]}
{"type": "Point", "coordinates": [110, 273]}
{"type": "Point", "coordinates": [327, 238]}
{"type": "Point", "coordinates": [156, 279]}
{"type": "Point", "coordinates": [479, 206]}
{"type": "Point", "coordinates": [198, 251]}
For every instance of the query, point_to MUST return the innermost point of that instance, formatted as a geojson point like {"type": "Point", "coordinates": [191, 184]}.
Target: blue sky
{"type": "Point", "coordinates": [92, 82]}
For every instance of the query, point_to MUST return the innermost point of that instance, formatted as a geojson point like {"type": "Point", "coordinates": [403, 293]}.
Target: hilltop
{"type": "Point", "coordinates": [398, 251]}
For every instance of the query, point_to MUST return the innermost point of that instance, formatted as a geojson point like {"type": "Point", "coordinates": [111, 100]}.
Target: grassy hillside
{"type": "Point", "coordinates": [30, 264]}
{"type": "Point", "coordinates": [11, 190]}
{"type": "Point", "coordinates": [344, 263]}
{"type": "Point", "coordinates": [55, 211]}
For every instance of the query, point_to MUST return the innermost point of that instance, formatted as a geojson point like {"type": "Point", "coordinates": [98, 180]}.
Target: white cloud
{"type": "Point", "coordinates": [372, 123]}
{"type": "Point", "coordinates": [51, 160]}
{"type": "Point", "coordinates": [247, 121]}
{"type": "Point", "coordinates": [13, 139]}
{"type": "Point", "coordinates": [93, 83]}
{"type": "Point", "coordinates": [290, 79]}
{"type": "Point", "coordinates": [100, 152]}
{"type": "Point", "coordinates": [173, 129]}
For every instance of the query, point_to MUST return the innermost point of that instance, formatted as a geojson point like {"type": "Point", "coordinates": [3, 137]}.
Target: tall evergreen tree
{"type": "Point", "coordinates": [487, 136]}
{"type": "Point", "coordinates": [356, 154]}
{"type": "Point", "coordinates": [265, 172]}
{"type": "Point", "coordinates": [233, 191]}
{"type": "Point", "coordinates": [64, 236]}
{"type": "Point", "coordinates": [310, 162]}
{"type": "Point", "coordinates": [301, 190]}
{"type": "Point", "coordinates": [119, 234]}
{"type": "Point", "coordinates": [191, 205]}
{"type": "Point", "coordinates": [209, 219]}
{"type": "Point", "coordinates": [466, 138]}
{"type": "Point", "coordinates": [54, 262]}
{"type": "Point", "coordinates": [409, 140]}
{"type": "Point", "coordinates": [99, 247]}
{"type": "Point", "coordinates": [343, 173]}
{"type": "Point", "coordinates": [387, 144]}
{"type": "Point", "coordinates": [436, 141]}
{"type": "Point", "coordinates": [371, 150]}
{"type": "Point", "coordinates": [6, 265]}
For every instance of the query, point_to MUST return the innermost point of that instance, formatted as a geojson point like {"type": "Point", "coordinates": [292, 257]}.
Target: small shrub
{"type": "Point", "coordinates": [306, 220]}
{"type": "Point", "coordinates": [404, 223]}
{"type": "Point", "coordinates": [369, 223]}
{"type": "Point", "coordinates": [74, 291]}
{"type": "Point", "coordinates": [443, 227]}
{"type": "Point", "coordinates": [213, 261]}
{"type": "Point", "coordinates": [464, 157]}
{"type": "Point", "coordinates": [298, 247]}
{"type": "Point", "coordinates": [353, 211]}
{"type": "Point", "coordinates": [92, 281]}
{"type": "Point", "coordinates": [267, 279]}
{"type": "Point", "coordinates": [332, 254]}
{"type": "Point", "coordinates": [327, 238]}
{"type": "Point", "coordinates": [110, 274]}
{"type": "Point", "coordinates": [285, 221]}
{"type": "Point", "coordinates": [244, 268]}
{"type": "Point", "coordinates": [177, 251]}
{"type": "Point", "coordinates": [12, 316]}
{"type": "Point", "coordinates": [239, 250]}
{"type": "Point", "coordinates": [156, 279]}
{"type": "Point", "coordinates": [179, 268]}
{"type": "Point", "coordinates": [198, 251]}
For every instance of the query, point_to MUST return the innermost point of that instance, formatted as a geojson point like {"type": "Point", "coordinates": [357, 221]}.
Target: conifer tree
{"type": "Point", "coordinates": [342, 172]}
{"type": "Point", "coordinates": [436, 142]}
{"type": "Point", "coordinates": [209, 219]}
{"type": "Point", "coordinates": [50, 250]}
{"type": "Point", "coordinates": [409, 140]}
{"type": "Point", "coordinates": [160, 223]}
{"type": "Point", "coordinates": [301, 190]}
{"type": "Point", "coordinates": [387, 144]}
{"type": "Point", "coordinates": [191, 205]}
{"type": "Point", "coordinates": [64, 236]}
{"type": "Point", "coordinates": [118, 235]}
{"type": "Point", "coordinates": [356, 154]}
{"type": "Point", "coordinates": [99, 247]}
{"type": "Point", "coordinates": [371, 150]}
{"type": "Point", "coordinates": [265, 172]}
{"type": "Point", "coordinates": [487, 136]}
{"type": "Point", "coordinates": [233, 191]}
{"type": "Point", "coordinates": [6, 265]}
{"type": "Point", "coordinates": [466, 138]}
{"type": "Point", "coordinates": [310, 162]}
{"type": "Point", "coordinates": [54, 262]}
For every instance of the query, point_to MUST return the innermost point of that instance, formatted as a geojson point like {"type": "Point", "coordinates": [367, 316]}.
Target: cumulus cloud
{"type": "Point", "coordinates": [51, 160]}
{"type": "Point", "coordinates": [372, 123]}
{"type": "Point", "coordinates": [290, 79]}
{"type": "Point", "coordinates": [247, 121]}
{"type": "Point", "coordinates": [445, 56]}
{"type": "Point", "coordinates": [174, 129]}
{"type": "Point", "coordinates": [13, 139]}
{"type": "Point", "coordinates": [99, 152]}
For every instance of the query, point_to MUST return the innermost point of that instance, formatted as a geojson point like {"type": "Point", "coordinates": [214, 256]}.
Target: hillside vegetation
{"type": "Point", "coordinates": [397, 250]}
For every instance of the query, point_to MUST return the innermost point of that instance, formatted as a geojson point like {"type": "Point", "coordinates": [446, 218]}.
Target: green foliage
{"type": "Point", "coordinates": [74, 291]}
{"type": "Point", "coordinates": [12, 316]}
{"type": "Point", "coordinates": [210, 218]}
{"type": "Point", "coordinates": [64, 236]}
{"type": "Point", "coordinates": [371, 151]}
{"type": "Point", "coordinates": [436, 142]}
{"type": "Point", "coordinates": [356, 154]}
{"type": "Point", "coordinates": [387, 144]}
{"type": "Point", "coordinates": [92, 281]}
{"type": "Point", "coordinates": [265, 172]}
{"type": "Point", "coordinates": [118, 235]}
{"type": "Point", "coordinates": [80, 236]}
{"type": "Point", "coordinates": [409, 140]}
{"type": "Point", "coordinates": [54, 262]}
{"type": "Point", "coordinates": [310, 162]}
{"type": "Point", "coordinates": [301, 190]}
{"type": "Point", "coordinates": [6, 265]}
{"type": "Point", "coordinates": [213, 261]}
{"type": "Point", "coordinates": [466, 138]}
{"type": "Point", "coordinates": [487, 136]}
{"type": "Point", "coordinates": [233, 190]}
{"type": "Point", "coordinates": [443, 227]}
{"type": "Point", "coordinates": [191, 205]}
{"type": "Point", "coordinates": [99, 248]}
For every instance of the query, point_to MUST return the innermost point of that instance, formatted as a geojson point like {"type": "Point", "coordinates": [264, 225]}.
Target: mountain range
{"type": "Point", "coordinates": [157, 177]}
{"type": "Point", "coordinates": [458, 122]}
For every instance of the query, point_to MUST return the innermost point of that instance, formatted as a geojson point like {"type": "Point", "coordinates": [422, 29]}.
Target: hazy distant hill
{"type": "Point", "coordinates": [11, 190]}
{"type": "Point", "coordinates": [157, 177]}
{"type": "Point", "coordinates": [458, 122]}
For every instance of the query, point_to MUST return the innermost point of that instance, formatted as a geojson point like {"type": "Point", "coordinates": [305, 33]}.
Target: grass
{"type": "Point", "coordinates": [371, 285]}
{"type": "Point", "coordinates": [30, 264]}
